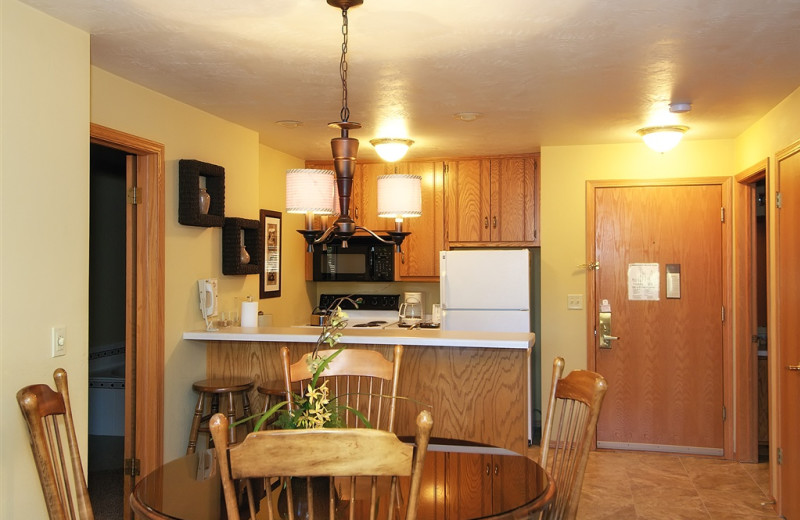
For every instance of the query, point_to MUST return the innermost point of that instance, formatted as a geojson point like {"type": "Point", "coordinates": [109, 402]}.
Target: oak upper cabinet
{"type": "Point", "coordinates": [492, 201]}
{"type": "Point", "coordinates": [364, 196]}
{"type": "Point", "coordinates": [420, 258]}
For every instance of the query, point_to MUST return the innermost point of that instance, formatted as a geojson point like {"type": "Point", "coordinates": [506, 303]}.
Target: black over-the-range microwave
{"type": "Point", "coordinates": [363, 260]}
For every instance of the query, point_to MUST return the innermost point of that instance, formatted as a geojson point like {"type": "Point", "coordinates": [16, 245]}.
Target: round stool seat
{"type": "Point", "coordinates": [223, 386]}
{"type": "Point", "coordinates": [217, 390]}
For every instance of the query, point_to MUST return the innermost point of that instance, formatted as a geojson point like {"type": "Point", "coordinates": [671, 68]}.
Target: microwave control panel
{"type": "Point", "coordinates": [383, 267]}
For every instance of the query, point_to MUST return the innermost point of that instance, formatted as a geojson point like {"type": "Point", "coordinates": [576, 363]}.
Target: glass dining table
{"type": "Point", "coordinates": [461, 481]}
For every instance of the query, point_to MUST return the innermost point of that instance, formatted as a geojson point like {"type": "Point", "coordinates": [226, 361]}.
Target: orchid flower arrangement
{"type": "Point", "coordinates": [316, 408]}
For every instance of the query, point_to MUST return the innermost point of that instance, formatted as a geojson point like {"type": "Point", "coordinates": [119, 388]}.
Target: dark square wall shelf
{"type": "Point", "coordinates": [189, 173]}
{"type": "Point", "coordinates": [232, 242]}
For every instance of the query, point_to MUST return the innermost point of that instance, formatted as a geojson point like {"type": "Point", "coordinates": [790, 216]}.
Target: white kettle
{"type": "Point", "coordinates": [411, 310]}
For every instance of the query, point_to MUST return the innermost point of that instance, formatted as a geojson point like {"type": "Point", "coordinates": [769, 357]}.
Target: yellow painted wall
{"type": "Point", "coordinates": [195, 252]}
{"type": "Point", "coordinates": [44, 231]}
{"type": "Point", "coordinates": [565, 170]}
{"type": "Point", "coordinates": [296, 293]}
{"type": "Point", "coordinates": [779, 128]}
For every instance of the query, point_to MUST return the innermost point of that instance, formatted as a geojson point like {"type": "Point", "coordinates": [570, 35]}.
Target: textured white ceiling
{"type": "Point", "coordinates": [542, 72]}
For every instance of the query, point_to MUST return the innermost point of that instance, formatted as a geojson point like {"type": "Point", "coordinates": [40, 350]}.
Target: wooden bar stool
{"type": "Point", "coordinates": [227, 388]}
{"type": "Point", "coordinates": [273, 392]}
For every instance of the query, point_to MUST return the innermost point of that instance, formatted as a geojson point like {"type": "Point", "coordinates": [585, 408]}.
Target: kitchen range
{"type": "Point", "coordinates": [384, 311]}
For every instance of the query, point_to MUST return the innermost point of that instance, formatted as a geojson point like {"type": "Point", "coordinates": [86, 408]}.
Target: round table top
{"type": "Point", "coordinates": [459, 482]}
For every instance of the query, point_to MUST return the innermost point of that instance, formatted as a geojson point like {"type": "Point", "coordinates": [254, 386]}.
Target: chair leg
{"type": "Point", "coordinates": [196, 419]}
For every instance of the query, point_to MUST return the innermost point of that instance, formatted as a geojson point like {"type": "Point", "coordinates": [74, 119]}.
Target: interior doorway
{"type": "Point", "coordinates": [144, 254]}
{"type": "Point", "coordinates": [107, 264]}
{"type": "Point", "coordinates": [751, 285]}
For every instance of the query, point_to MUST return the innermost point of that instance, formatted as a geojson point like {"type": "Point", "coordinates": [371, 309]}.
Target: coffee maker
{"type": "Point", "coordinates": [412, 309]}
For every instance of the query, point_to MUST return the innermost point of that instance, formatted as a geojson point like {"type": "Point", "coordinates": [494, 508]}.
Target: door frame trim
{"type": "Point", "coordinates": [746, 371]}
{"type": "Point", "coordinates": [591, 304]}
{"type": "Point", "coordinates": [148, 373]}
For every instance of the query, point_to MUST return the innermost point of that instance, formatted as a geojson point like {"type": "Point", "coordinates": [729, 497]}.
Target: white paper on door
{"type": "Point", "coordinates": [643, 282]}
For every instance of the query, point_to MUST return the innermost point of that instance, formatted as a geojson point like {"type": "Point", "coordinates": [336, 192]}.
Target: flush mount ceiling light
{"type": "Point", "coordinates": [391, 149]}
{"type": "Point", "coordinates": [345, 151]}
{"type": "Point", "coordinates": [467, 117]}
{"type": "Point", "coordinates": [289, 123]}
{"type": "Point", "coordinates": [662, 138]}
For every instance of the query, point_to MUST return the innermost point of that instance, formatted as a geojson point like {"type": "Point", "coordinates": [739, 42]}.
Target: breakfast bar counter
{"type": "Point", "coordinates": [477, 384]}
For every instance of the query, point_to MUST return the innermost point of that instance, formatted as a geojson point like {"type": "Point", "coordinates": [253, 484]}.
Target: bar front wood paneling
{"type": "Point", "coordinates": [475, 394]}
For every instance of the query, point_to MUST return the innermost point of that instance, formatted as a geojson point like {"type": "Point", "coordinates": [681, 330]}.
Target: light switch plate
{"type": "Point", "coordinates": [575, 301]}
{"type": "Point", "coordinates": [58, 341]}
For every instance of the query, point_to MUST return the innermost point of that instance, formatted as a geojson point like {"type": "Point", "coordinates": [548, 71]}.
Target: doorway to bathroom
{"type": "Point", "coordinates": [107, 264]}
{"type": "Point", "coordinates": [142, 251]}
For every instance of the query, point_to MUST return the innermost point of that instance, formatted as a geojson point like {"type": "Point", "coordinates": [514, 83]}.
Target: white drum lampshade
{"type": "Point", "coordinates": [399, 196]}
{"type": "Point", "coordinates": [309, 191]}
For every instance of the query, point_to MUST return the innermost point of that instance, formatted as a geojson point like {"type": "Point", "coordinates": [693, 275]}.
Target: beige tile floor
{"type": "Point", "coordinates": [653, 486]}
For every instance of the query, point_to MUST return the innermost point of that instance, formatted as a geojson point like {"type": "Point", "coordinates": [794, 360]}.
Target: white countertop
{"type": "Point", "coordinates": [372, 336]}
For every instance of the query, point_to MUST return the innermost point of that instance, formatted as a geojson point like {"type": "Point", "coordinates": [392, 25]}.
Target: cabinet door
{"type": "Point", "coordinates": [513, 199]}
{"type": "Point", "coordinates": [509, 482]}
{"type": "Point", "coordinates": [366, 212]}
{"type": "Point", "coordinates": [470, 496]}
{"type": "Point", "coordinates": [467, 200]}
{"type": "Point", "coordinates": [420, 257]}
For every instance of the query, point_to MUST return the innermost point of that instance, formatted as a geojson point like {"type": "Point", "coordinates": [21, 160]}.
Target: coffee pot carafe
{"type": "Point", "coordinates": [411, 310]}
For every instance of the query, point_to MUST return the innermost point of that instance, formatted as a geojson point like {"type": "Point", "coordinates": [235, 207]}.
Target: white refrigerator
{"type": "Point", "coordinates": [486, 290]}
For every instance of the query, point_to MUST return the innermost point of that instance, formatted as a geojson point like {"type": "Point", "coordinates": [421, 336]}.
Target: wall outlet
{"type": "Point", "coordinates": [575, 301]}
{"type": "Point", "coordinates": [58, 341]}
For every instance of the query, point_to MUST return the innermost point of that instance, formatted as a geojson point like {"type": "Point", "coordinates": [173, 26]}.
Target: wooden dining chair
{"type": "Point", "coordinates": [361, 379]}
{"type": "Point", "coordinates": [572, 411]}
{"type": "Point", "coordinates": [48, 416]}
{"type": "Point", "coordinates": [355, 464]}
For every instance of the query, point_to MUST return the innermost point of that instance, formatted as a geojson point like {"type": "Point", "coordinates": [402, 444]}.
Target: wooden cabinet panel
{"type": "Point", "coordinates": [367, 206]}
{"type": "Point", "coordinates": [420, 258]}
{"type": "Point", "coordinates": [467, 200]}
{"type": "Point", "coordinates": [513, 199]}
{"type": "Point", "coordinates": [473, 491]}
{"type": "Point", "coordinates": [492, 201]}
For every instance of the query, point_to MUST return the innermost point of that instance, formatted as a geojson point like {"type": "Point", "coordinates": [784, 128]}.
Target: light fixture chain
{"type": "Point", "coordinates": [345, 114]}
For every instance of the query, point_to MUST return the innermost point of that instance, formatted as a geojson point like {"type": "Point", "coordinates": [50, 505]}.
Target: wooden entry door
{"type": "Point", "coordinates": [788, 333]}
{"type": "Point", "coordinates": [665, 372]}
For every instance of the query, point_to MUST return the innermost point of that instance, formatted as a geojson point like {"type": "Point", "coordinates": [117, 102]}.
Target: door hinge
{"type": "Point", "coordinates": [131, 467]}
{"type": "Point", "coordinates": [723, 314]}
{"type": "Point", "coordinates": [724, 414]}
{"type": "Point", "coordinates": [133, 195]}
{"type": "Point", "coordinates": [780, 456]}
{"type": "Point", "coordinates": [722, 215]}
{"type": "Point", "coordinates": [778, 200]}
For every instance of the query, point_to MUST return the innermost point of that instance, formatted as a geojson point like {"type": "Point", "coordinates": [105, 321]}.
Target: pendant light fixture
{"type": "Point", "coordinates": [345, 150]}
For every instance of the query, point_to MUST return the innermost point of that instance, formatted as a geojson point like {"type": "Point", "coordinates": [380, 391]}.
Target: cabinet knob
{"type": "Point", "coordinates": [496, 470]}
{"type": "Point", "coordinates": [494, 222]}
{"type": "Point", "coordinates": [485, 222]}
{"type": "Point", "coordinates": [488, 469]}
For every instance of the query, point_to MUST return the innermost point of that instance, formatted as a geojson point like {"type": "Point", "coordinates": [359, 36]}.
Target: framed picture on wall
{"type": "Point", "coordinates": [270, 276]}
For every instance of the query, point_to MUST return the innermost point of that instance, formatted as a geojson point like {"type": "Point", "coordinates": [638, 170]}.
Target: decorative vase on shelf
{"type": "Point", "coordinates": [244, 256]}
{"type": "Point", "coordinates": [205, 201]}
